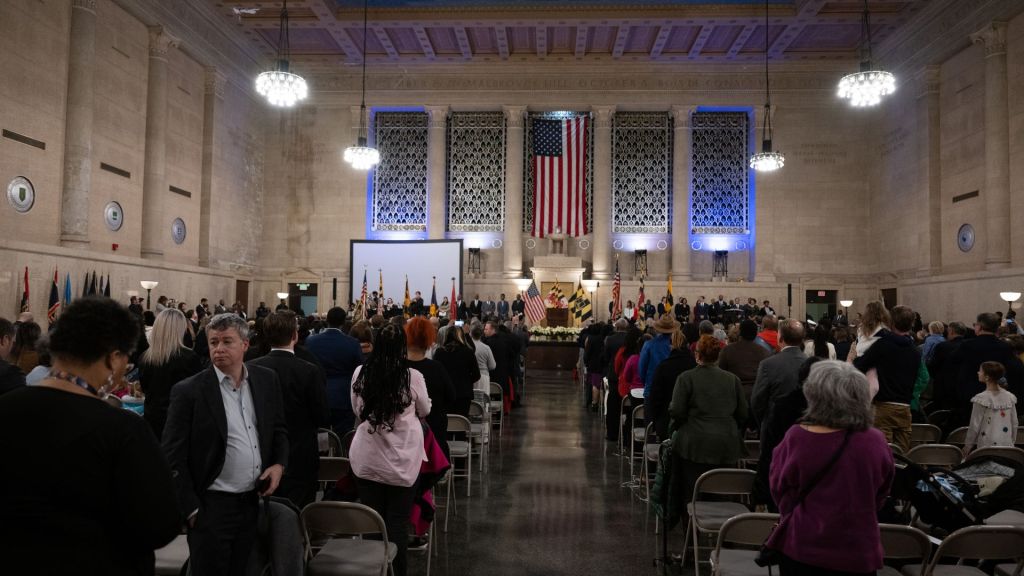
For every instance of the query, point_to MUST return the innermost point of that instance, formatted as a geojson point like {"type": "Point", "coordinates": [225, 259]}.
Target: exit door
{"type": "Point", "coordinates": [821, 304]}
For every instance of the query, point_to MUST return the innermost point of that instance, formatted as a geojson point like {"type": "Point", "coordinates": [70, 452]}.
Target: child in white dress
{"type": "Point", "coordinates": [994, 415]}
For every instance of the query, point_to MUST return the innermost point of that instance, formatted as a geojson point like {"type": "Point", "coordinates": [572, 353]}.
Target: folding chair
{"type": "Point", "coordinates": [1010, 452]}
{"type": "Point", "coordinates": [903, 544]}
{"type": "Point", "coordinates": [707, 517]}
{"type": "Point", "coordinates": [461, 449]}
{"type": "Point", "coordinates": [329, 440]}
{"type": "Point", "coordinates": [651, 448]}
{"type": "Point", "coordinates": [624, 410]}
{"type": "Point", "coordinates": [924, 434]}
{"type": "Point", "coordinates": [1020, 437]}
{"type": "Point", "coordinates": [171, 559]}
{"type": "Point", "coordinates": [484, 399]}
{"type": "Point", "coordinates": [341, 554]}
{"type": "Point", "coordinates": [332, 468]}
{"type": "Point", "coordinates": [939, 417]}
{"type": "Point", "coordinates": [497, 405]}
{"type": "Point", "coordinates": [753, 454]}
{"type": "Point", "coordinates": [478, 422]}
{"type": "Point", "coordinates": [973, 543]}
{"type": "Point", "coordinates": [944, 455]}
{"type": "Point", "coordinates": [747, 531]}
{"type": "Point", "coordinates": [957, 437]}
{"type": "Point", "coordinates": [346, 443]}
{"type": "Point", "coordinates": [637, 435]}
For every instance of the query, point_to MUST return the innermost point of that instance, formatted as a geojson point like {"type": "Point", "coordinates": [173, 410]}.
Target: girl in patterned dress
{"type": "Point", "coordinates": [994, 416]}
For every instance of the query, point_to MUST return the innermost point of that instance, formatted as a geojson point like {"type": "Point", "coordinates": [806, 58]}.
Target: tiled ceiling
{"type": "Point", "coordinates": [330, 32]}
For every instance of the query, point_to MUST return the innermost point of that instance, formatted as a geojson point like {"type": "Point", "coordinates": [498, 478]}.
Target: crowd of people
{"type": "Point", "coordinates": [232, 409]}
{"type": "Point", "coordinates": [827, 400]}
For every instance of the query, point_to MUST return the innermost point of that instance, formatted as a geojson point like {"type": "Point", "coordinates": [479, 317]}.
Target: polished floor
{"type": "Point", "coordinates": [550, 501]}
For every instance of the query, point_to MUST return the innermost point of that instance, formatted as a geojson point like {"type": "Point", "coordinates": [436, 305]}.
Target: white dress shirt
{"type": "Point", "coordinates": [242, 461]}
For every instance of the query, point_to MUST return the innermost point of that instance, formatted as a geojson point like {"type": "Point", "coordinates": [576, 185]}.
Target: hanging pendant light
{"type": "Point", "coordinates": [362, 156]}
{"type": "Point", "coordinates": [280, 86]}
{"type": "Point", "coordinates": [767, 160]}
{"type": "Point", "coordinates": [867, 87]}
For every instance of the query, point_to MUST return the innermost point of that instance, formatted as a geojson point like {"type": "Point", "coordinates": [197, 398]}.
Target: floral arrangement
{"type": "Point", "coordinates": [558, 331]}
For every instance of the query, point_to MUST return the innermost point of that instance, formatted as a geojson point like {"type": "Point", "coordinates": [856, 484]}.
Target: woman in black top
{"type": "Point", "coordinates": [166, 363]}
{"type": "Point", "coordinates": [460, 363]}
{"type": "Point", "coordinates": [420, 336]}
{"type": "Point", "coordinates": [87, 489]}
{"type": "Point", "coordinates": [679, 360]}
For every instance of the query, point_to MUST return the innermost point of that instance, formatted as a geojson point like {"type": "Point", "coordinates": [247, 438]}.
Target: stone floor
{"type": "Point", "coordinates": [550, 501]}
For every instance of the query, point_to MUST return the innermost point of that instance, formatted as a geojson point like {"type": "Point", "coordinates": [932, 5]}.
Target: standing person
{"type": "Point", "coordinates": [227, 443]}
{"type": "Point", "coordinates": [503, 308]}
{"type": "Point", "coordinates": [818, 345]}
{"type": "Point", "coordinates": [897, 361]}
{"type": "Point", "coordinates": [484, 357]}
{"type": "Point", "coordinates": [304, 392]}
{"type": "Point", "coordinates": [994, 413]}
{"type": "Point", "coordinates": [709, 410]}
{"type": "Point", "coordinates": [744, 356]}
{"type": "Point", "coordinates": [386, 454]}
{"type": "Point", "coordinates": [420, 335]}
{"type": "Point", "coordinates": [504, 357]}
{"type": "Point", "coordinates": [487, 308]}
{"type": "Point", "coordinates": [777, 375]}
{"type": "Point", "coordinates": [769, 333]}
{"type": "Point", "coordinates": [944, 368]}
{"type": "Point", "coordinates": [221, 307]}
{"type": "Point", "coordinates": [24, 352]}
{"type": "Point", "coordinates": [984, 347]}
{"type": "Point", "coordinates": [339, 354]}
{"type": "Point", "coordinates": [462, 367]}
{"type": "Point", "coordinates": [518, 306]}
{"type": "Point", "coordinates": [593, 360]}
{"type": "Point", "coordinates": [659, 396]}
{"type": "Point", "coordinates": [166, 363]}
{"type": "Point", "coordinates": [654, 352]}
{"type": "Point", "coordinates": [612, 343]}
{"type": "Point", "coordinates": [70, 457]}
{"type": "Point", "coordinates": [830, 476]}
{"type": "Point", "coordinates": [682, 311]}
{"type": "Point", "coordinates": [135, 307]}
{"type": "Point", "coordinates": [262, 311]}
{"type": "Point", "coordinates": [767, 310]}
{"type": "Point", "coordinates": [202, 309]}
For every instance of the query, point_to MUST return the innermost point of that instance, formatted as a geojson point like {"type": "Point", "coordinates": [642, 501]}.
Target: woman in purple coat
{"type": "Point", "coordinates": [830, 476]}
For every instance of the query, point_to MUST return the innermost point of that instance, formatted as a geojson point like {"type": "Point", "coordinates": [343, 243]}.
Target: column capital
{"type": "Point", "coordinates": [681, 116]}
{"type": "Point", "coordinates": [993, 37]}
{"type": "Point", "coordinates": [160, 41]}
{"type": "Point", "coordinates": [215, 81]}
{"type": "Point", "coordinates": [438, 115]}
{"type": "Point", "coordinates": [515, 116]}
{"type": "Point", "coordinates": [603, 116]}
{"type": "Point", "coordinates": [928, 80]}
{"type": "Point", "coordinates": [89, 5]}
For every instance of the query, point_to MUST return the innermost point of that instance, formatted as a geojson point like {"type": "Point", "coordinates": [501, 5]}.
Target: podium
{"type": "Point", "coordinates": [558, 317]}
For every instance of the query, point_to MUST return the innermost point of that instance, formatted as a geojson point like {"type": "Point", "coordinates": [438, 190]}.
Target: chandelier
{"type": "Point", "coordinates": [362, 156]}
{"type": "Point", "coordinates": [767, 160]}
{"type": "Point", "coordinates": [867, 87]}
{"type": "Point", "coordinates": [280, 86]}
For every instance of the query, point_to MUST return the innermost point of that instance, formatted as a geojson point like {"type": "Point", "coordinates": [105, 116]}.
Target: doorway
{"type": "Point", "coordinates": [242, 294]}
{"type": "Point", "coordinates": [889, 298]}
{"type": "Point", "coordinates": [821, 304]}
{"type": "Point", "coordinates": [302, 298]}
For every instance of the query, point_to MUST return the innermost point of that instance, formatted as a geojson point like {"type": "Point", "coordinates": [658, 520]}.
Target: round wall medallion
{"type": "Point", "coordinates": [178, 230]}
{"type": "Point", "coordinates": [531, 243]}
{"type": "Point", "coordinates": [584, 244]}
{"type": "Point", "coordinates": [662, 245]}
{"type": "Point", "coordinates": [617, 244]}
{"type": "Point", "coordinates": [497, 243]}
{"type": "Point", "coordinates": [696, 245]}
{"type": "Point", "coordinates": [965, 238]}
{"type": "Point", "coordinates": [113, 216]}
{"type": "Point", "coordinates": [741, 245]}
{"type": "Point", "coordinates": [21, 194]}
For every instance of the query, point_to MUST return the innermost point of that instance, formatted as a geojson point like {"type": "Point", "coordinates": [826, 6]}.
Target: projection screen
{"type": "Point", "coordinates": [420, 260]}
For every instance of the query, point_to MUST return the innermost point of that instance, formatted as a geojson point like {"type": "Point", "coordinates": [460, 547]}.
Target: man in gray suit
{"type": "Point", "coordinates": [778, 375]}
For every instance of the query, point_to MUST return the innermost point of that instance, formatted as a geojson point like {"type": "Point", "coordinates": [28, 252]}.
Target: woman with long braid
{"type": "Point", "coordinates": [388, 399]}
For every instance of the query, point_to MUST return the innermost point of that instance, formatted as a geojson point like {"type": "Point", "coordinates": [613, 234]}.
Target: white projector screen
{"type": "Point", "coordinates": [421, 260]}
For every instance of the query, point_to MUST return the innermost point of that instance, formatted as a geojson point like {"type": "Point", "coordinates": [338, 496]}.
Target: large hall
{"type": "Point", "coordinates": [521, 283]}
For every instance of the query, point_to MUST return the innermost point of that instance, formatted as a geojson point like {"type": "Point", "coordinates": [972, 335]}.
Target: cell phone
{"type": "Point", "coordinates": [459, 323]}
{"type": "Point", "coordinates": [262, 485]}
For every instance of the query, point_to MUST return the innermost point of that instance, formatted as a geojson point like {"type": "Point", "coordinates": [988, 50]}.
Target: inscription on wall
{"type": "Point", "coordinates": [818, 153]}
{"type": "Point", "coordinates": [894, 141]}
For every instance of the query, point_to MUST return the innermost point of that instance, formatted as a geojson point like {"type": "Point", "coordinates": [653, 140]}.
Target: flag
{"type": "Point", "coordinates": [573, 301]}
{"type": "Point", "coordinates": [555, 296]}
{"type": "Point", "coordinates": [581, 309]}
{"type": "Point", "coordinates": [362, 297]}
{"type": "Point", "coordinates": [668, 294]}
{"type": "Point", "coordinates": [67, 288]}
{"type": "Point", "coordinates": [453, 307]}
{"type": "Point", "coordinates": [51, 312]}
{"type": "Point", "coordinates": [92, 284]}
{"type": "Point", "coordinates": [106, 287]}
{"type": "Point", "coordinates": [85, 285]}
{"type": "Point", "coordinates": [24, 295]}
{"type": "Point", "coordinates": [380, 289]}
{"type": "Point", "coordinates": [100, 290]}
{"type": "Point", "coordinates": [408, 301]}
{"type": "Point", "coordinates": [617, 292]}
{"type": "Point", "coordinates": [640, 299]}
{"type": "Point", "coordinates": [560, 176]}
{"type": "Point", "coordinates": [433, 298]}
{"type": "Point", "coordinates": [535, 310]}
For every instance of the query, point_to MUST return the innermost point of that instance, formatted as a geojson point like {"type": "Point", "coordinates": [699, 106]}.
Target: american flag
{"type": "Point", "coordinates": [560, 176]}
{"type": "Point", "coordinates": [535, 309]}
{"type": "Point", "coordinates": [362, 297]}
{"type": "Point", "coordinates": [617, 292]}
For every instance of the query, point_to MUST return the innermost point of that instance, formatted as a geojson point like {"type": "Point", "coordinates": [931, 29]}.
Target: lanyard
{"type": "Point", "coordinates": [77, 381]}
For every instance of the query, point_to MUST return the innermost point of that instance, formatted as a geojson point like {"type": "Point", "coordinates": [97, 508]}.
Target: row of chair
{"type": "Point", "coordinates": [932, 434]}
{"type": "Point", "coordinates": [948, 455]}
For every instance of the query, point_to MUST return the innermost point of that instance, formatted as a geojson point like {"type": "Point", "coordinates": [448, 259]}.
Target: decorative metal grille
{"type": "Point", "coordinates": [400, 180]}
{"type": "Point", "coordinates": [719, 181]}
{"type": "Point", "coordinates": [641, 172]}
{"type": "Point", "coordinates": [528, 166]}
{"type": "Point", "coordinates": [476, 172]}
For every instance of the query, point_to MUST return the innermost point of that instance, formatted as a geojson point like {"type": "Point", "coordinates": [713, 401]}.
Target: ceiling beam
{"type": "Point", "coordinates": [463, 38]}
{"type": "Point", "coordinates": [701, 40]}
{"type": "Point", "coordinates": [741, 41]}
{"type": "Point", "coordinates": [501, 33]}
{"type": "Point", "coordinates": [324, 11]}
{"type": "Point", "coordinates": [386, 43]}
{"type": "Point", "coordinates": [541, 33]}
{"type": "Point", "coordinates": [805, 14]}
{"type": "Point", "coordinates": [660, 40]}
{"type": "Point", "coordinates": [582, 31]}
{"type": "Point", "coordinates": [424, 40]}
{"type": "Point", "coordinates": [620, 41]}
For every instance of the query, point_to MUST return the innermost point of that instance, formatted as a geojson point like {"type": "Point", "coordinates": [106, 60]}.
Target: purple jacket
{"type": "Point", "coordinates": [836, 526]}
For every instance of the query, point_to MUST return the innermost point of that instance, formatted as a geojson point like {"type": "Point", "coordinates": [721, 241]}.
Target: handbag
{"type": "Point", "coordinates": [770, 556]}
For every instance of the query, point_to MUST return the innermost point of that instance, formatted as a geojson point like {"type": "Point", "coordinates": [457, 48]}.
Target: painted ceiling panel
{"type": "Point", "coordinates": [561, 40]}
{"type": "Point", "coordinates": [443, 40]}
{"type": "Point", "coordinates": [373, 46]}
{"type": "Point", "coordinates": [681, 39]}
{"type": "Point", "coordinates": [522, 40]}
{"type": "Point", "coordinates": [721, 38]}
{"type": "Point", "coordinates": [641, 38]}
{"type": "Point", "coordinates": [404, 40]}
{"type": "Point", "coordinates": [601, 39]}
{"type": "Point", "coordinates": [756, 41]}
{"type": "Point", "coordinates": [482, 40]}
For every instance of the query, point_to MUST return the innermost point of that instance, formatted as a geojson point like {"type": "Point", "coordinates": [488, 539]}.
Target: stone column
{"type": "Point", "coordinates": [515, 118]}
{"type": "Point", "coordinates": [74, 206]}
{"type": "Point", "coordinates": [154, 180]}
{"type": "Point", "coordinates": [930, 170]}
{"type": "Point", "coordinates": [212, 97]}
{"type": "Point", "coordinates": [997, 146]}
{"type": "Point", "coordinates": [602, 191]}
{"type": "Point", "coordinates": [681, 193]}
{"type": "Point", "coordinates": [436, 163]}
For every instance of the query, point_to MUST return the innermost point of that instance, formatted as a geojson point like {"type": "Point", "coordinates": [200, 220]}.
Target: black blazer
{"type": "Point", "coordinates": [304, 390]}
{"type": "Point", "coordinates": [195, 434]}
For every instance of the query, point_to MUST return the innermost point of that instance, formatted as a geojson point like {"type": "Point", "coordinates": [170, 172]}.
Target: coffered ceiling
{"type": "Point", "coordinates": [330, 32]}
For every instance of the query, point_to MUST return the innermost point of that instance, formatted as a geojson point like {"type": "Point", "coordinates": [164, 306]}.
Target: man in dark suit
{"type": "Point", "coordinates": [701, 310]}
{"type": "Point", "coordinates": [778, 375]}
{"type": "Point", "coordinates": [649, 309]}
{"type": "Point", "coordinates": [612, 343]}
{"type": "Point", "coordinates": [304, 390]}
{"type": "Point", "coordinates": [984, 347]}
{"type": "Point", "coordinates": [767, 309]}
{"type": "Point", "coordinates": [504, 350]}
{"type": "Point", "coordinates": [944, 369]}
{"type": "Point", "coordinates": [339, 354]}
{"type": "Point", "coordinates": [487, 309]}
{"type": "Point", "coordinates": [474, 306]}
{"type": "Point", "coordinates": [227, 444]}
{"type": "Point", "coordinates": [518, 306]}
{"type": "Point", "coordinates": [503, 308]}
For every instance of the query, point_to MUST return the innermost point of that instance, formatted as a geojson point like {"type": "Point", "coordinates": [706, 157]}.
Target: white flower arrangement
{"type": "Point", "coordinates": [559, 331]}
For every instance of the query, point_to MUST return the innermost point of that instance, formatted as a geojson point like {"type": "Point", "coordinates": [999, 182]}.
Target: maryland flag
{"type": "Point", "coordinates": [54, 308]}
{"type": "Point", "coordinates": [380, 290]}
{"type": "Point", "coordinates": [408, 301]}
{"type": "Point", "coordinates": [555, 296]}
{"type": "Point", "coordinates": [617, 292]}
{"type": "Point", "coordinates": [433, 298]}
{"type": "Point", "coordinates": [668, 292]}
{"type": "Point", "coordinates": [640, 300]}
{"type": "Point", "coordinates": [581, 308]}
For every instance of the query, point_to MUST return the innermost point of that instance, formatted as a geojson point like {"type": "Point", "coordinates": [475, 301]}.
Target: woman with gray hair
{"type": "Point", "coordinates": [829, 476]}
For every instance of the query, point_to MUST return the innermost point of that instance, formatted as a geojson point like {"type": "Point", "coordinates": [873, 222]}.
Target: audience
{"type": "Point", "coordinates": [420, 336]}
{"type": "Point", "coordinates": [164, 364]}
{"type": "Point", "coordinates": [460, 363]}
{"type": "Point", "coordinates": [778, 375]}
{"type": "Point", "coordinates": [24, 352]}
{"type": "Point", "coordinates": [984, 347]}
{"type": "Point", "coordinates": [612, 344]}
{"type": "Point", "coordinates": [655, 351]}
{"type": "Point", "coordinates": [994, 414]}
{"type": "Point", "coordinates": [743, 357]}
{"type": "Point", "coordinates": [339, 354]}
{"type": "Point", "coordinates": [657, 401]}
{"type": "Point", "coordinates": [85, 489]}
{"type": "Point", "coordinates": [626, 362]}
{"type": "Point", "coordinates": [11, 378]}
{"type": "Point", "coordinates": [769, 332]}
{"type": "Point", "coordinates": [593, 361]}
